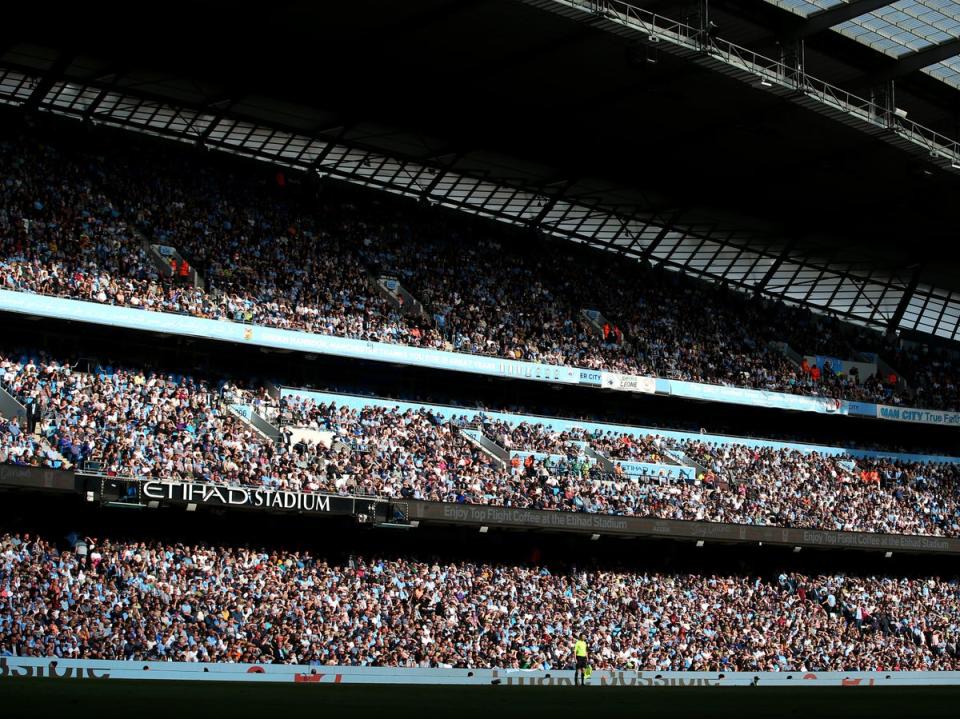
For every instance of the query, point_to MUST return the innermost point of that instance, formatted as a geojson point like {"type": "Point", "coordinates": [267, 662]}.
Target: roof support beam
{"type": "Point", "coordinates": [667, 227]}
{"type": "Point", "coordinates": [219, 108]}
{"type": "Point", "coordinates": [439, 174]}
{"type": "Point", "coordinates": [50, 77]}
{"type": "Point", "coordinates": [772, 270]}
{"type": "Point", "coordinates": [905, 300]}
{"type": "Point", "coordinates": [818, 22]}
{"type": "Point", "coordinates": [551, 203]}
{"type": "Point", "coordinates": [919, 60]}
{"type": "Point", "coordinates": [624, 229]}
{"type": "Point", "coordinates": [110, 80]}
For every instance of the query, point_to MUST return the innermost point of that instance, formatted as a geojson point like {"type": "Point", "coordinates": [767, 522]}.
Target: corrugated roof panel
{"type": "Point", "coordinates": [806, 8]}
{"type": "Point", "coordinates": [947, 71]}
{"type": "Point", "coordinates": [905, 26]}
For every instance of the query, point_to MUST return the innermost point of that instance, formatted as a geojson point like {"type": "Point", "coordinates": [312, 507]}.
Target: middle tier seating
{"type": "Point", "coordinates": [128, 422]}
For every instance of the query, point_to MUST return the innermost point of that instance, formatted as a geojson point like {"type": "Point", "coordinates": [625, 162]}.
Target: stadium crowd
{"type": "Point", "coordinates": [128, 422]}
{"type": "Point", "coordinates": [164, 601]}
{"type": "Point", "coordinates": [23, 449]}
{"type": "Point", "coordinates": [737, 483]}
{"type": "Point", "coordinates": [74, 225]}
{"type": "Point", "coordinates": [530, 437]}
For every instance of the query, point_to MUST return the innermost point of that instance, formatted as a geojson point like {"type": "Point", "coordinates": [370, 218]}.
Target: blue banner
{"type": "Point", "coordinates": [560, 425]}
{"type": "Point", "coordinates": [53, 669]}
{"type": "Point", "coordinates": [186, 325]}
{"type": "Point", "coordinates": [592, 377]}
{"type": "Point", "coordinates": [755, 397]}
{"type": "Point", "coordinates": [862, 409]}
{"type": "Point", "coordinates": [917, 416]}
{"type": "Point", "coordinates": [649, 469]}
{"type": "Point", "coordinates": [169, 323]}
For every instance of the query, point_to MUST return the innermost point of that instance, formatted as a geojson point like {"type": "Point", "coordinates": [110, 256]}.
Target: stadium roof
{"type": "Point", "coordinates": [921, 36]}
{"type": "Point", "coordinates": [617, 129]}
{"type": "Point", "coordinates": [895, 27]}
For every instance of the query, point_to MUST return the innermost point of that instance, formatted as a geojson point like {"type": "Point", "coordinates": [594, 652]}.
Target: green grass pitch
{"type": "Point", "coordinates": [131, 699]}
